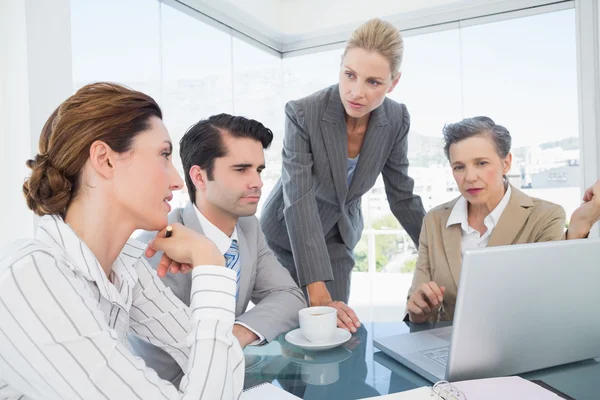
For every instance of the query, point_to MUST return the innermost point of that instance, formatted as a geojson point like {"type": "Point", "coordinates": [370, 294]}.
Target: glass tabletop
{"type": "Point", "coordinates": [357, 370]}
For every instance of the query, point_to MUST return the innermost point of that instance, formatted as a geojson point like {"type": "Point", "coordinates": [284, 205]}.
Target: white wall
{"type": "Point", "coordinates": [35, 76]}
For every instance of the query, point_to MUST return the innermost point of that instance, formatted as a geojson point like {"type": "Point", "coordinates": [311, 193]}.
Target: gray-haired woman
{"type": "Point", "coordinates": [489, 212]}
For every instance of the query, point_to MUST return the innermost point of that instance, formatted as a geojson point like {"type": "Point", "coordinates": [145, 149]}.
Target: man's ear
{"type": "Point", "coordinates": [199, 177]}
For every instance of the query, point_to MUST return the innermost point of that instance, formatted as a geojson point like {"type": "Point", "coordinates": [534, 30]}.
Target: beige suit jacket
{"type": "Point", "coordinates": [524, 220]}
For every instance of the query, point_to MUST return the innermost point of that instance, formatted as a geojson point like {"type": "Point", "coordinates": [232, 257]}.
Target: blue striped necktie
{"type": "Point", "coordinates": [232, 256]}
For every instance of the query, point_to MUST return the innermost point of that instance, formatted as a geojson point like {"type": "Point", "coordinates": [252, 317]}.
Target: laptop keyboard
{"type": "Point", "coordinates": [439, 355]}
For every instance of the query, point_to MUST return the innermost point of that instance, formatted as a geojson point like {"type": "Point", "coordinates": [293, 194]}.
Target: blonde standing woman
{"type": "Point", "coordinates": [70, 297]}
{"type": "Point", "coordinates": [337, 141]}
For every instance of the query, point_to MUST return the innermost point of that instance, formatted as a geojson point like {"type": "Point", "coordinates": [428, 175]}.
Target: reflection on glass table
{"type": "Point", "coordinates": [356, 370]}
{"type": "Point", "coordinates": [339, 373]}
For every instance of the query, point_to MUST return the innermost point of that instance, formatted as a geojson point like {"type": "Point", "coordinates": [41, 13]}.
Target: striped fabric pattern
{"type": "Point", "coordinates": [232, 257]}
{"type": "Point", "coordinates": [64, 324]}
{"type": "Point", "coordinates": [313, 200]}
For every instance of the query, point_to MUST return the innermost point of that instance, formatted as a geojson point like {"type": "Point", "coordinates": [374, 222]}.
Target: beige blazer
{"type": "Point", "coordinates": [524, 220]}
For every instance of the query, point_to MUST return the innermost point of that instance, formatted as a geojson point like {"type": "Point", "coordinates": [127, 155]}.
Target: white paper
{"type": "Point", "coordinates": [423, 393]}
{"type": "Point", "coordinates": [511, 387]}
{"type": "Point", "coordinates": [508, 388]}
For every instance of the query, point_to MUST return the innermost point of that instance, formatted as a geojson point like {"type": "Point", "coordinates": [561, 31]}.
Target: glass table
{"type": "Point", "coordinates": [357, 370]}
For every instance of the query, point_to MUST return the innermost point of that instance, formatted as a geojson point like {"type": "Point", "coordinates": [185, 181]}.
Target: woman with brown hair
{"type": "Point", "coordinates": [70, 297]}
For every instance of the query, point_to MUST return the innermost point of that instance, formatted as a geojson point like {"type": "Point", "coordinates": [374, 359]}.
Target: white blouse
{"type": "Point", "coordinates": [471, 238]}
{"type": "Point", "coordinates": [64, 324]}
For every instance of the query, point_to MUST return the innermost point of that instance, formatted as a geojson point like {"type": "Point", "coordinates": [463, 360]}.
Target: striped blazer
{"type": "Point", "coordinates": [312, 195]}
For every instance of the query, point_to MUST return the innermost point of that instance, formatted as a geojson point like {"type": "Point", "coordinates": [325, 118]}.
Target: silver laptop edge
{"type": "Point", "coordinates": [519, 308]}
{"type": "Point", "coordinates": [383, 346]}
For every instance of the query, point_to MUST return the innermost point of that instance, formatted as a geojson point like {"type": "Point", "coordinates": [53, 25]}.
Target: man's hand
{"type": "Point", "coordinates": [318, 295]}
{"type": "Point", "coordinates": [586, 215]}
{"type": "Point", "coordinates": [424, 301]}
{"type": "Point", "coordinates": [244, 335]}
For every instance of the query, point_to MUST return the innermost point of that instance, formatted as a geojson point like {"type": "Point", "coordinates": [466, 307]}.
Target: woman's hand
{"type": "Point", "coordinates": [184, 250]}
{"type": "Point", "coordinates": [347, 318]}
{"type": "Point", "coordinates": [318, 295]}
{"type": "Point", "coordinates": [586, 215]}
{"type": "Point", "coordinates": [424, 301]}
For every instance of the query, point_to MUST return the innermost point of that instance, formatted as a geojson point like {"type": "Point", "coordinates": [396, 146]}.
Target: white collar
{"type": "Point", "coordinates": [460, 214]}
{"type": "Point", "coordinates": [222, 241]}
{"type": "Point", "coordinates": [53, 231]}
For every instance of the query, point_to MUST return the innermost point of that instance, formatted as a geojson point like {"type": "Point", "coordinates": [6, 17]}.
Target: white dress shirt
{"type": "Point", "coordinates": [64, 324]}
{"type": "Point", "coordinates": [223, 243]}
{"type": "Point", "coordinates": [471, 238]}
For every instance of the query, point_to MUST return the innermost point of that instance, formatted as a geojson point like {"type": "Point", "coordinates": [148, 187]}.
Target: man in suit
{"type": "Point", "coordinates": [223, 157]}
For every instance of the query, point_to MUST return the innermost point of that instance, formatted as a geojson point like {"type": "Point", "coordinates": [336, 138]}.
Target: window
{"type": "Point", "coordinates": [304, 75]}
{"type": "Point", "coordinates": [116, 41]}
{"type": "Point", "coordinates": [196, 77]}
{"type": "Point", "coordinates": [520, 72]}
{"type": "Point", "coordinates": [257, 94]}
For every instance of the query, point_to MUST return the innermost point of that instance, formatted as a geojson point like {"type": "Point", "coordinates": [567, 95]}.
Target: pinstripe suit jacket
{"type": "Point", "coordinates": [312, 195]}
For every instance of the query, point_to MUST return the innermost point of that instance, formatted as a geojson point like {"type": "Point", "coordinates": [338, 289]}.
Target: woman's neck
{"type": "Point", "coordinates": [100, 227]}
{"type": "Point", "coordinates": [478, 212]}
{"type": "Point", "coordinates": [357, 123]}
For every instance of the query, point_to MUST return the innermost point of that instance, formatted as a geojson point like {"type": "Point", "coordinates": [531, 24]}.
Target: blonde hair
{"type": "Point", "coordinates": [381, 37]}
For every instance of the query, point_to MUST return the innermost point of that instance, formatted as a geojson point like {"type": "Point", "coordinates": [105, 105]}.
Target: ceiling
{"type": "Point", "coordinates": [290, 25]}
{"type": "Point", "coordinates": [297, 17]}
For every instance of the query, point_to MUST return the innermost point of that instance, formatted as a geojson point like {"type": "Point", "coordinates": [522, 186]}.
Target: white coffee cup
{"type": "Point", "coordinates": [318, 324]}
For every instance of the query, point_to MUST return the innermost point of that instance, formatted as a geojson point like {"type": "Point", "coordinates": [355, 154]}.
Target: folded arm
{"type": "Point", "coordinates": [56, 343]}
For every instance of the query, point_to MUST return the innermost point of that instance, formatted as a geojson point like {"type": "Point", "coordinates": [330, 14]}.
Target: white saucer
{"type": "Point", "coordinates": [340, 336]}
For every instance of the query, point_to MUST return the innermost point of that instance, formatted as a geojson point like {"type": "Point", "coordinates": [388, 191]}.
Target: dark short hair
{"type": "Point", "coordinates": [469, 127]}
{"type": "Point", "coordinates": [203, 142]}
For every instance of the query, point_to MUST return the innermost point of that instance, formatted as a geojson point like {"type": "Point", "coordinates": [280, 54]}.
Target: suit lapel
{"type": "Point", "coordinates": [513, 219]}
{"type": "Point", "coordinates": [190, 219]}
{"type": "Point", "coordinates": [376, 134]}
{"type": "Point", "coordinates": [245, 272]}
{"type": "Point", "coordinates": [335, 137]}
{"type": "Point", "coordinates": [509, 227]}
{"type": "Point", "coordinates": [452, 237]}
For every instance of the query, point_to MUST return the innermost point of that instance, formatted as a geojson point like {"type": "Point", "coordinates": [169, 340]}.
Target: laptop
{"type": "Point", "coordinates": [519, 308]}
